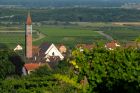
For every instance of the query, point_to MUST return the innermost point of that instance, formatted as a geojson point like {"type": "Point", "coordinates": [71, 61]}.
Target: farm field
{"type": "Point", "coordinates": [68, 35]}
{"type": "Point", "coordinates": [84, 32]}
{"type": "Point", "coordinates": [12, 38]}
{"type": "Point", "coordinates": [124, 34]}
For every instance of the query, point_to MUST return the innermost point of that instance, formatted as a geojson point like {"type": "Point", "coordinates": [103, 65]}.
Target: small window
{"type": "Point", "coordinates": [53, 54]}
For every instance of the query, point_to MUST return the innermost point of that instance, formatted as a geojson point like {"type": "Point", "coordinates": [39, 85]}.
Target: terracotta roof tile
{"type": "Point", "coordinates": [86, 46]}
{"type": "Point", "coordinates": [31, 66]}
{"type": "Point", "coordinates": [113, 44]}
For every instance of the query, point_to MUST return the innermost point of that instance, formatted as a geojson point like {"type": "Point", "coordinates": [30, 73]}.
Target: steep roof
{"type": "Point", "coordinates": [44, 46]}
{"type": "Point", "coordinates": [31, 66]}
{"type": "Point", "coordinates": [29, 20]}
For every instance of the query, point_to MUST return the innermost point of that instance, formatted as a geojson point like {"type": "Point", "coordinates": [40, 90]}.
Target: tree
{"type": "Point", "coordinates": [7, 67]}
{"type": "Point", "coordinates": [109, 71]}
{"type": "Point", "coordinates": [10, 63]}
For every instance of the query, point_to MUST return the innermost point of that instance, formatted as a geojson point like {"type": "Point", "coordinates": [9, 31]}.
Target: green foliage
{"type": "Point", "coordinates": [74, 14]}
{"type": "Point", "coordinates": [10, 63]}
{"type": "Point", "coordinates": [7, 67]}
{"type": "Point", "coordinates": [66, 79]}
{"type": "Point", "coordinates": [110, 71]}
{"type": "Point", "coordinates": [138, 40]}
{"type": "Point", "coordinates": [43, 70]}
{"type": "Point", "coordinates": [63, 68]}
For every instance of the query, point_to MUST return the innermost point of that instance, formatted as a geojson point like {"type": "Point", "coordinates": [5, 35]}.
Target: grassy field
{"type": "Point", "coordinates": [12, 39]}
{"type": "Point", "coordinates": [68, 35]}
{"type": "Point", "coordinates": [126, 33]}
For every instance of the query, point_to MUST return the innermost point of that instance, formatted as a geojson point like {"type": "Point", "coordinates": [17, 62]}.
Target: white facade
{"type": "Point", "coordinates": [53, 51]}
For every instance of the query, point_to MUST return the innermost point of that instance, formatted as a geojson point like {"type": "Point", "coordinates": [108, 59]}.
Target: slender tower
{"type": "Point", "coordinates": [28, 36]}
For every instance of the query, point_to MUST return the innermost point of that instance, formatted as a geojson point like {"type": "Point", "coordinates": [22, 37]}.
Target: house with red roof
{"type": "Point", "coordinates": [85, 46]}
{"type": "Point", "coordinates": [112, 45]}
{"type": "Point", "coordinates": [30, 67]}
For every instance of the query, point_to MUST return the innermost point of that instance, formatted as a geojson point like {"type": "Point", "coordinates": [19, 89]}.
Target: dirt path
{"type": "Point", "coordinates": [40, 36]}
{"type": "Point", "coordinates": [105, 35]}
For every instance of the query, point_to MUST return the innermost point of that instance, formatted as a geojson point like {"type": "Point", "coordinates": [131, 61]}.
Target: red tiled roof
{"type": "Point", "coordinates": [29, 20]}
{"type": "Point", "coordinates": [112, 44]}
{"type": "Point", "coordinates": [86, 46]}
{"type": "Point", "coordinates": [31, 66]}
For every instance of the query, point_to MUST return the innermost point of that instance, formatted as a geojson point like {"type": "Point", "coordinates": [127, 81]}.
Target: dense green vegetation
{"type": "Point", "coordinates": [9, 64]}
{"type": "Point", "coordinates": [73, 14]}
{"type": "Point", "coordinates": [103, 71]}
{"type": "Point", "coordinates": [64, 3]}
{"type": "Point", "coordinates": [109, 71]}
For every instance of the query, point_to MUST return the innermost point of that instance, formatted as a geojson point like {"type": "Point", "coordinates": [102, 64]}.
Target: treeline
{"type": "Point", "coordinates": [63, 3]}
{"type": "Point", "coordinates": [73, 14]}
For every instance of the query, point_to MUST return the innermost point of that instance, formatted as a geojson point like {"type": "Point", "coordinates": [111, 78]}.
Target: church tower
{"type": "Point", "coordinates": [28, 37]}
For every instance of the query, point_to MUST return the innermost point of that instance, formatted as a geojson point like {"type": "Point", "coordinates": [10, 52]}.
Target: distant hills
{"type": "Point", "coordinates": [68, 3]}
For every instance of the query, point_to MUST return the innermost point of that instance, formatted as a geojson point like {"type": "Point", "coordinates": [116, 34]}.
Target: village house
{"type": "Point", "coordinates": [112, 45]}
{"type": "Point", "coordinates": [50, 51]}
{"type": "Point", "coordinates": [81, 47]}
{"type": "Point", "coordinates": [30, 67]}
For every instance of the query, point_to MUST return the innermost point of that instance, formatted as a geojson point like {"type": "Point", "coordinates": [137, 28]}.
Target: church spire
{"type": "Point", "coordinates": [28, 37]}
{"type": "Point", "coordinates": [29, 20]}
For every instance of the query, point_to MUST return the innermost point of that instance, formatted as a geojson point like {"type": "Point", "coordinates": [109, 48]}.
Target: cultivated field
{"type": "Point", "coordinates": [11, 38]}
{"type": "Point", "coordinates": [68, 35]}
{"type": "Point", "coordinates": [78, 32]}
